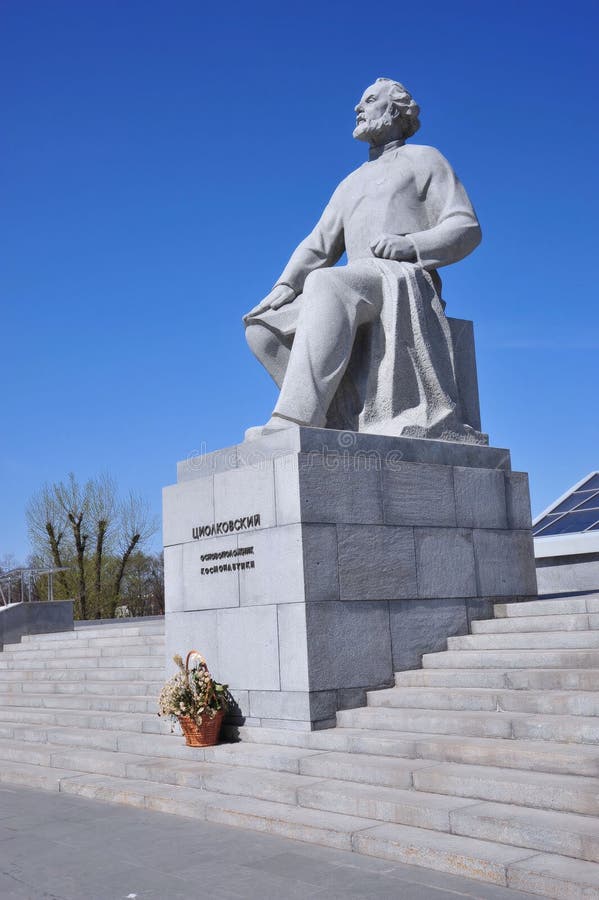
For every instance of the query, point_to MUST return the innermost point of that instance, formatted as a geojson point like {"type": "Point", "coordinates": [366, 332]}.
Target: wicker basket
{"type": "Point", "coordinates": [204, 735]}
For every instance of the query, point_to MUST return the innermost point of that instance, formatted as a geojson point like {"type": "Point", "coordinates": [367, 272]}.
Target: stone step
{"type": "Point", "coordinates": [135, 626]}
{"type": "Point", "coordinates": [555, 877]}
{"type": "Point", "coordinates": [545, 874]}
{"type": "Point", "coordinates": [88, 631]}
{"type": "Point", "coordinates": [572, 729]}
{"type": "Point", "coordinates": [148, 745]}
{"type": "Point", "coordinates": [511, 679]}
{"type": "Point", "coordinates": [543, 756]}
{"type": "Point", "coordinates": [76, 718]}
{"type": "Point", "coordinates": [84, 662]}
{"type": "Point", "coordinates": [456, 855]}
{"type": "Point", "coordinates": [347, 740]}
{"type": "Point", "coordinates": [363, 768]}
{"type": "Point", "coordinates": [546, 640]}
{"type": "Point", "coordinates": [547, 831]}
{"type": "Point", "coordinates": [105, 688]}
{"type": "Point", "coordinates": [567, 834]}
{"type": "Point", "coordinates": [34, 776]}
{"type": "Point", "coordinates": [484, 860]}
{"type": "Point", "coordinates": [540, 790]}
{"type": "Point", "coordinates": [73, 645]}
{"type": "Point", "coordinates": [110, 676]}
{"type": "Point", "coordinates": [312, 826]}
{"type": "Point", "coordinates": [536, 624]}
{"type": "Point", "coordinates": [93, 760]}
{"type": "Point", "coordinates": [585, 703]}
{"type": "Point", "coordinates": [587, 603]}
{"type": "Point", "coordinates": [528, 755]}
{"type": "Point", "coordinates": [243, 781]}
{"type": "Point", "coordinates": [465, 723]}
{"type": "Point", "coordinates": [380, 803]}
{"type": "Point", "coordinates": [77, 701]}
{"type": "Point", "coordinates": [428, 809]}
{"type": "Point", "coordinates": [512, 659]}
{"type": "Point", "coordinates": [21, 657]}
{"type": "Point", "coordinates": [275, 758]}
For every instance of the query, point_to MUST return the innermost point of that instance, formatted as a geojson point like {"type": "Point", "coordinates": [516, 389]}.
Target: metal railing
{"type": "Point", "coordinates": [17, 585]}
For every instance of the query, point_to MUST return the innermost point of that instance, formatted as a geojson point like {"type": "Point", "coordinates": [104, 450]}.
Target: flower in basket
{"type": "Point", "coordinates": [192, 693]}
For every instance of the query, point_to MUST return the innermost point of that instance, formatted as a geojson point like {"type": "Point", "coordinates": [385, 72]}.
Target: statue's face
{"type": "Point", "coordinates": [374, 122]}
{"type": "Point", "coordinates": [373, 104]}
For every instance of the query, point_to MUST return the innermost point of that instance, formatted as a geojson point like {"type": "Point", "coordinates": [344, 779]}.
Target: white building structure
{"type": "Point", "coordinates": [566, 539]}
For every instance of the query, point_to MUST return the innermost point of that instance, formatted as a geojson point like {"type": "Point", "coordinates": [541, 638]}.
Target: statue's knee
{"type": "Point", "coordinates": [323, 285]}
{"type": "Point", "coordinates": [259, 339]}
{"type": "Point", "coordinates": [320, 280]}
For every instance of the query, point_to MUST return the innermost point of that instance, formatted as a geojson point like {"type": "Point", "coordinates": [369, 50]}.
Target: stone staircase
{"type": "Point", "coordinates": [483, 763]}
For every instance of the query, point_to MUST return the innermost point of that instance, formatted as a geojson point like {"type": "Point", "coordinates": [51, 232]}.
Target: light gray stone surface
{"type": "Point", "coordinates": [321, 562]}
{"type": "Point", "coordinates": [349, 644]}
{"type": "Point", "coordinates": [237, 495]}
{"type": "Point", "coordinates": [299, 705]}
{"type": "Point", "coordinates": [423, 626]}
{"type": "Point", "coordinates": [445, 560]}
{"type": "Point", "coordinates": [293, 647]}
{"type": "Point", "coordinates": [376, 562]}
{"type": "Point", "coordinates": [186, 505]}
{"type": "Point", "coordinates": [557, 575]}
{"type": "Point", "coordinates": [388, 450]}
{"type": "Point", "coordinates": [518, 500]}
{"type": "Point", "coordinates": [336, 488]}
{"type": "Point", "coordinates": [417, 494]}
{"type": "Point", "coordinates": [480, 498]}
{"type": "Point", "coordinates": [248, 648]}
{"type": "Point", "coordinates": [197, 587]}
{"type": "Point", "coordinates": [505, 562]}
{"type": "Point", "coordinates": [359, 565]}
{"type": "Point", "coordinates": [282, 580]}
{"type": "Point", "coordinates": [400, 376]}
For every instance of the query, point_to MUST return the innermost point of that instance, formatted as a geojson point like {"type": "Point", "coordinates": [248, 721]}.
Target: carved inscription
{"type": "Point", "coordinates": [228, 527]}
{"type": "Point", "coordinates": [221, 564]}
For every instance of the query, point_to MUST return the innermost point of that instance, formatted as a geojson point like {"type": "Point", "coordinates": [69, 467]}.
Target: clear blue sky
{"type": "Point", "coordinates": [160, 160]}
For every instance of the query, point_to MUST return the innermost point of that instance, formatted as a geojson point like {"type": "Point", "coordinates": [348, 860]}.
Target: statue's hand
{"type": "Point", "coordinates": [394, 246]}
{"type": "Point", "coordinates": [279, 295]}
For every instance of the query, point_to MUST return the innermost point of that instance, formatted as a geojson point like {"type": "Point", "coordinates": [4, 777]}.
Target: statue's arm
{"type": "Point", "coordinates": [323, 247]}
{"type": "Point", "coordinates": [455, 231]}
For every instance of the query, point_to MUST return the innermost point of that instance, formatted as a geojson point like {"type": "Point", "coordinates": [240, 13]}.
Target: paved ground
{"type": "Point", "coordinates": [58, 847]}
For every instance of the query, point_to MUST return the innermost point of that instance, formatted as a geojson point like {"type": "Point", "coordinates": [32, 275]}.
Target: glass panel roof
{"type": "Point", "coordinates": [545, 521]}
{"type": "Point", "coordinates": [572, 522]}
{"type": "Point", "coordinates": [572, 501]}
{"type": "Point", "coordinates": [576, 513]}
{"type": "Point", "coordinates": [591, 503]}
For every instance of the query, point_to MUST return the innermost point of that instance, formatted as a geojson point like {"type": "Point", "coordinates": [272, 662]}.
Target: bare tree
{"type": "Point", "coordinates": [74, 502]}
{"type": "Point", "coordinates": [102, 509]}
{"type": "Point", "coordinates": [47, 525]}
{"type": "Point", "coordinates": [136, 527]}
{"type": "Point", "coordinates": [91, 531]}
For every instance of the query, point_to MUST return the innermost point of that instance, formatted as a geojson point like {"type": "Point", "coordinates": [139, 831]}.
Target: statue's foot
{"type": "Point", "coordinates": [274, 424]}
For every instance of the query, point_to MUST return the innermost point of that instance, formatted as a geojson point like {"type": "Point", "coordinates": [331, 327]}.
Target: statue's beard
{"type": "Point", "coordinates": [375, 130]}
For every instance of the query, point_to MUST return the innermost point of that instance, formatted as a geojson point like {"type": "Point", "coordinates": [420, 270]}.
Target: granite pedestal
{"type": "Point", "coordinates": [310, 565]}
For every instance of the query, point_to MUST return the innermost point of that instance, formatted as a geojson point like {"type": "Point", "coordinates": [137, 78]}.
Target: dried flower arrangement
{"type": "Point", "coordinates": [195, 699]}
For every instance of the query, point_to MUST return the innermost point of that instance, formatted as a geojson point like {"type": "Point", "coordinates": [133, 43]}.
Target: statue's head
{"type": "Point", "coordinates": [386, 112]}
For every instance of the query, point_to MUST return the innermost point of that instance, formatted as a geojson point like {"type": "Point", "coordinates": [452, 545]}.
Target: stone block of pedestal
{"type": "Point", "coordinates": [311, 565]}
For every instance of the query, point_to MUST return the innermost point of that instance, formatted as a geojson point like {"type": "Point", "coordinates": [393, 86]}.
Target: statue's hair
{"type": "Point", "coordinates": [408, 109]}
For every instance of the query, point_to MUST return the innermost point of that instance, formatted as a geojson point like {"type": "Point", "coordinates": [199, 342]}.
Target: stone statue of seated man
{"type": "Point", "coordinates": [366, 345]}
